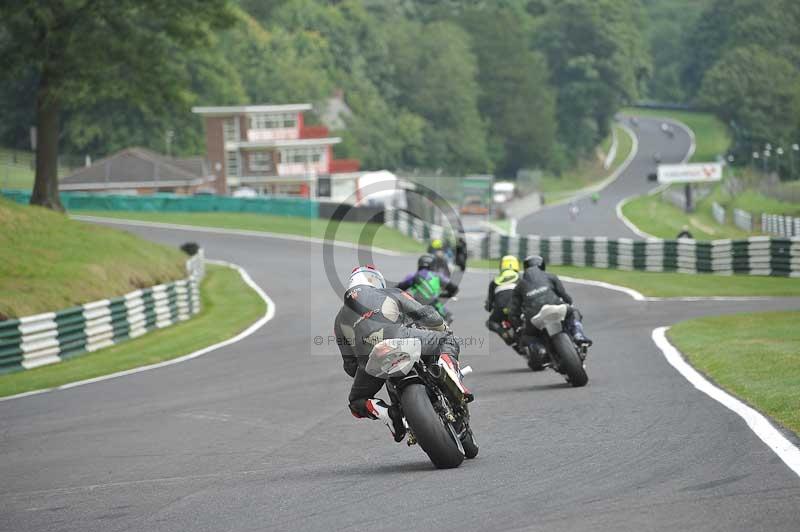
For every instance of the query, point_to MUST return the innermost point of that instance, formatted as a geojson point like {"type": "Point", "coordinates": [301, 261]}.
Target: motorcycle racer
{"type": "Point", "coordinates": [498, 299]}
{"type": "Point", "coordinates": [535, 289]}
{"type": "Point", "coordinates": [428, 286]}
{"type": "Point", "coordinates": [370, 314]}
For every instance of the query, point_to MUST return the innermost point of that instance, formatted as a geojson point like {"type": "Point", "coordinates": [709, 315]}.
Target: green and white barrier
{"type": "Point", "coordinates": [51, 337]}
{"type": "Point", "coordinates": [776, 224]}
{"type": "Point", "coordinates": [759, 255]}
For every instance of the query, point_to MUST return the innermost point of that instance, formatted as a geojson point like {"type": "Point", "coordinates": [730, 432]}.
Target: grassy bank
{"type": "Point", "coordinates": [754, 356]}
{"type": "Point", "coordinates": [49, 262]}
{"type": "Point", "coordinates": [752, 200]}
{"type": "Point", "coordinates": [662, 219]}
{"type": "Point", "coordinates": [228, 307]}
{"type": "Point", "coordinates": [376, 234]}
{"type": "Point", "coordinates": [658, 284]}
{"type": "Point", "coordinates": [711, 134]}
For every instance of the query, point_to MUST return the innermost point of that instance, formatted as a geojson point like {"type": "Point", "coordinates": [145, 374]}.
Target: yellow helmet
{"type": "Point", "coordinates": [509, 262]}
{"type": "Point", "coordinates": [436, 243]}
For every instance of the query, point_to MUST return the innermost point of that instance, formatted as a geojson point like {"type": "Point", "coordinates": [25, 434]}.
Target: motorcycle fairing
{"type": "Point", "coordinates": [550, 318]}
{"type": "Point", "coordinates": [393, 357]}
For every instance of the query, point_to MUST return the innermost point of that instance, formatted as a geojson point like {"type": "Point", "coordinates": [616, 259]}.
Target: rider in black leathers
{"type": "Point", "coordinates": [372, 313]}
{"type": "Point", "coordinates": [537, 288]}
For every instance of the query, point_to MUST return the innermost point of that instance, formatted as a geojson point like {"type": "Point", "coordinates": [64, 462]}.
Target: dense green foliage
{"type": "Point", "coordinates": [748, 71]}
{"type": "Point", "coordinates": [737, 58]}
{"type": "Point", "coordinates": [125, 62]}
{"type": "Point", "coordinates": [667, 28]}
{"type": "Point", "coordinates": [459, 86]}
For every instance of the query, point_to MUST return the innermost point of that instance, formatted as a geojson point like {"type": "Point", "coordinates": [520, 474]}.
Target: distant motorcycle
{"type": "Point", "coordinates": [555, 347]}
{"type": "Point", "coordinates": [431, 397]}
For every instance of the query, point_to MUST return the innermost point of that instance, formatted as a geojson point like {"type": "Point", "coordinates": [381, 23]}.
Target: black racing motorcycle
{"type": "Point", "coordinates": [431, 397]}
{"type": "Point", "coordinates": [554, 347]}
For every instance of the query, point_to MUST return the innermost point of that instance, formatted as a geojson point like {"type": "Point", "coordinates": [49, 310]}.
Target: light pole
{"type": "Point", "coordinates": [766, 156]}
{"type": "Point", "coordinates": [795, 148]}
{"type": "Point", "coordinates": [779, 153]}
{"type": "Point", "coordinates": [755, 158]}
{"type": "Point", "coordinates": [168, 138]}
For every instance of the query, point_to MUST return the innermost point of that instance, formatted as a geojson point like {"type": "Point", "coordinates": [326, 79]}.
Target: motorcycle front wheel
{"type": "Point", "coordinates": [569, 360]}
{"type": "Point", "coordinates": [429, 429]}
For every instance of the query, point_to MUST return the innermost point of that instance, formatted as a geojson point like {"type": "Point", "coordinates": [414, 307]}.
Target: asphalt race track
{"type": "Point", "coordinates": [601, 219]}
{"type": "Point", "coordinates": [257, 436]}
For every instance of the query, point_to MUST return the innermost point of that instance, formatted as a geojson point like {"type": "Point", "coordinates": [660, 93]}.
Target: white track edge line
{"type": "Point", "coordinates": [638, 296]}
{"type": "Point", "coordinates": [692, 147]}
{"type": "Point", "coordinates": [598, 187]}
{"type": "Point", "coordinates": [758, 423]}
{"type": "Point", "coordinates": [268, 315]}
{"type": "Point", "coordinates": [241, 232]}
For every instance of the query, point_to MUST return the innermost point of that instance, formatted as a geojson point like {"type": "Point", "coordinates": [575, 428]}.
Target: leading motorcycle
{"type": "Point", "coordinates": [554, 347]}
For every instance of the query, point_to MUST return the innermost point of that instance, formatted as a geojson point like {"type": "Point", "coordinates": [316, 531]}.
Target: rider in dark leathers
{"type": "Point", "coordinates": [372, 313]}
{"type": "Point", "coordinates": [537, 288]}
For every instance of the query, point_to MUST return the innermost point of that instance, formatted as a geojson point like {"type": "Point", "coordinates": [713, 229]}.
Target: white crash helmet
{"type": "Point", "coordinates": [368, 274]}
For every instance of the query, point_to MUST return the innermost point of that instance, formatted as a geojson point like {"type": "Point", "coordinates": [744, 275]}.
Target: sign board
{"type": "Point", "coordinates": [689, 173]}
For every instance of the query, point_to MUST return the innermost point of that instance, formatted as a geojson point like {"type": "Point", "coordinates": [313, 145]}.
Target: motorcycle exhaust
{"type": "Point", "coordinates": [438, 373]}
{"type": "Point", "coordinates": [455, 389]}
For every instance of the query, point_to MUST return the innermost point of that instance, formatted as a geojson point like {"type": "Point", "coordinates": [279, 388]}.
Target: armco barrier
{"type": "Point", "coordinates": [51, 337]}
{"type": "Point", "coordinates": [759, 255]}
{"type": "Point", "coordinates": [176, 203]}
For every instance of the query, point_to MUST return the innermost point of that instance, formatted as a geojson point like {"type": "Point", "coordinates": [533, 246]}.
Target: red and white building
{"type": "Point", "coordinates": [270, 149]}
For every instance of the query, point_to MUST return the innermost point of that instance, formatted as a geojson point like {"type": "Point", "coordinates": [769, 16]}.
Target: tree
{"type": "Point", "coordinates": [771, 24]}
{"type": "Point", "coordinates": [598, 58]}
{"type": "Point", "coordinates": [758, 91]}
{"type": "Point", "coordinates": [516, 100]}
{"type": "Point", "coordinates": [83, 50]}
{"type": "Point", "coordinates": [669, 23]}
{"type": "Point", "coordinates": [435, 72]}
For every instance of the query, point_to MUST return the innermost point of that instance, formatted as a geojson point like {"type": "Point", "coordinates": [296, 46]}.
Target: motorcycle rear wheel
{"type": "Point", "coordinates": [569, 361]}
{"type": "Point", "coordinates": [428, 428]}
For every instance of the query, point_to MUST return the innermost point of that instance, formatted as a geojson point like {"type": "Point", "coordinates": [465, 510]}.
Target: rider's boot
{"type": "Point", "coordinates": [578, 334]}
{"type": "Point", "coordinates": [389, 414]}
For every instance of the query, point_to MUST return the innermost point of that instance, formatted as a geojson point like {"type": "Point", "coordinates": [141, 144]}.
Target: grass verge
{"type": "Point", "coordinates": [662, 219]}
{"type": "Point", "coordinates": [228, 307]}
{"type": "Point", "coordinates": [753, 201]}
{"type": "Point", "coordinates": [370, 233]}
{"type": "Point", "coordinates": [17, 169]}
{"type": "Point", "coordinates": [753, 356]}
{"type": "Point", "coordinates": [658, 284]}
{"type": "Point", "coordinates": [711, 134]}
{"type": "Point", "coordinates": [49, 262]}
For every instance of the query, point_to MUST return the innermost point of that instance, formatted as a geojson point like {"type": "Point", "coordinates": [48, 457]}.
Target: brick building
{"type": "Point", "coordinates": [270, 149]}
